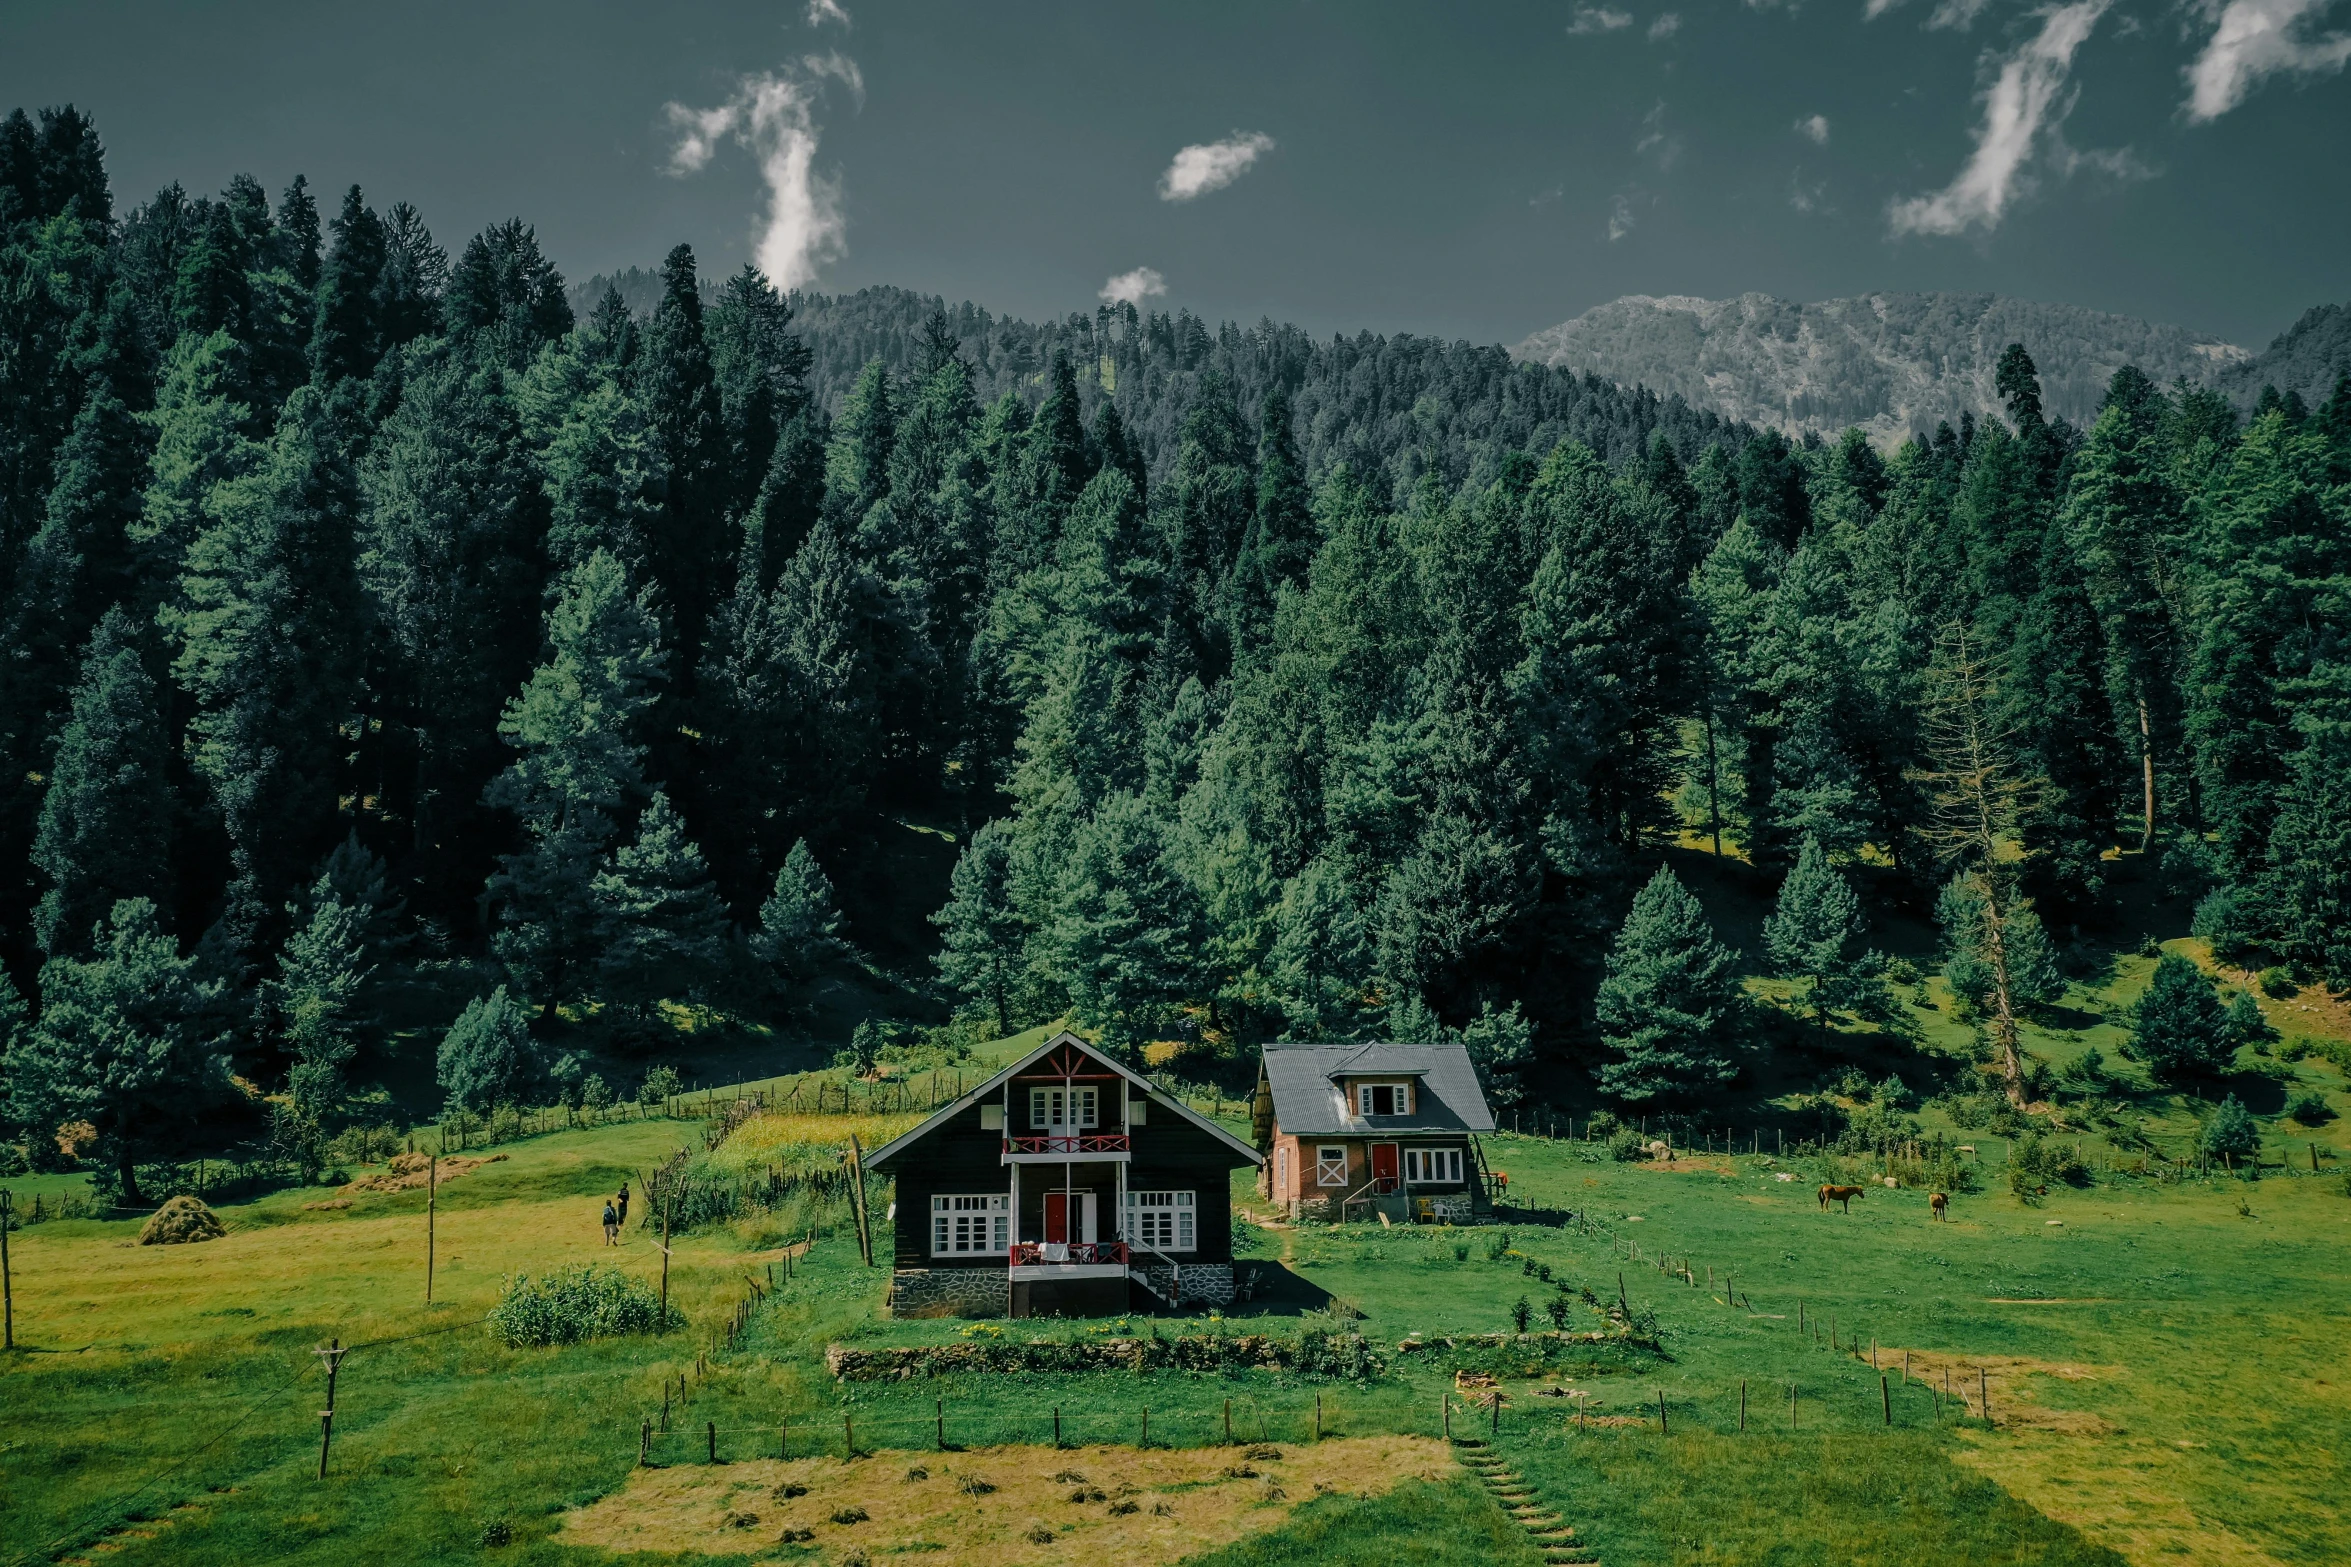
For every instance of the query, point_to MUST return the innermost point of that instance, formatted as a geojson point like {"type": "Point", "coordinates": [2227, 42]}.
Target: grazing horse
{"type": "Point", "coordinates": [1939, 1201]}
{"type": "Point", "coordinates": [1838, 1194]}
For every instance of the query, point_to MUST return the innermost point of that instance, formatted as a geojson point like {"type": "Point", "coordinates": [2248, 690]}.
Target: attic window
{"type": "Point", "coordinates": [1380, 1099]}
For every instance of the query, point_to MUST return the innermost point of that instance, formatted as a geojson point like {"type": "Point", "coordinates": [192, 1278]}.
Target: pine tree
{"type": "Point", "coordinates": [1670, 1006]}
{"type": "Point", "coordinates": [605, 480]}
{"type": "Point", "coordinates": [349, 336]}
{"type": "Point", "coordinates": [983, 941]}
{"type": "Point", "coordinates": [270, 622]}
{"type": "Point", "coordinates": [1128, 932]}
{"type": "Point", "coordinates": [504, 288]}
{"type": "Point", "coordinates": [1319, 970]}
{"type": "Point", "coordinates": [2181, 1033]}
{"type": "Point", "coordinates": [416, 271]}
{"type": "Point", "coordinates": [126, 1043]}
{"type": "Point", "coordinates": [666, 932]}
{"type": "Point", "coordinates": [1280, 542]}
{"type": "Point", "coordinates": [575, 724]}
{"type": "Point", "coordinates": [298, 248]}
{"type": "Point", "coordinates": [857, 465]}
{"type": "Point", "coordinates": [799, 927]}
{"type": "Point", "coordinates": [105, 827]}
{"type": "Point", "coordinates": [1812, 930]}
{"type": "Point", "coordinates": [2247, 1028]}
{"type": "Point", "coordinates": [488, 1058]}
{"type": "Point", "coordinates": [1501, 1047]}
{"type": "Point", "coordinates": [691, 555]}
{"type": "Point", "coordinates": [313, 1000]}
{"type": "Point", "coordinates": [451, 560]}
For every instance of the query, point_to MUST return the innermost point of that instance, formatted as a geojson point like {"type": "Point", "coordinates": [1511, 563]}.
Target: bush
{"type": "Point", "coordinates": [1602, 1125]}
{"type": "Point", "coordinates": [2294, 1049]}
{"type": "Point", "coordinates": [1627, 1145]}
{"type": "Point", "coordinates": [2181, 1031]}
{"type": "Point", "coordinates": [2310, 1108]}
{"type": "Point", "coordinates": [2230, 1131]}
{"type": "Point", "coordinates": [660, 1083]}
{"type": "Point", "coordinates": [2041, 1161]}
{"type": "Point", "coordinates": [488, 1057]}
{"type": "Point", "coordinates": [1522, 1312]}
{"type": "Point", "coordinates": [2223, 919]}
{"type": "Point", "coordinates": [582, 1301]}
{"type": "Point", "coordinates": [2278, 985]}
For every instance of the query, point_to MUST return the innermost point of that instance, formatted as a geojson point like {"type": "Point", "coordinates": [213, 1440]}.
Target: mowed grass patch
{"type": "Point", "coordinates": [1831, 1499]}
{"type": "Point", "coordinates": [1014, 1506]}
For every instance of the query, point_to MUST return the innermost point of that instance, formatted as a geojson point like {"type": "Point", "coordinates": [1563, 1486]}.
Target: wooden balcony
{"type": "Point", "coordinates": [1070, 1254]}
{"type": "Point", "coordinates": [1071, 1147]}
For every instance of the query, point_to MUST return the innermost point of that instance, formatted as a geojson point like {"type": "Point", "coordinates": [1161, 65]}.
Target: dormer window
{"type": "Point", "coordinates": [1381, 1099]}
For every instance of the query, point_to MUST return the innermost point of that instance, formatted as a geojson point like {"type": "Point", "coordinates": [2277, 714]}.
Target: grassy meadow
{"type": "Point", "coordinates": [2163, 1359]}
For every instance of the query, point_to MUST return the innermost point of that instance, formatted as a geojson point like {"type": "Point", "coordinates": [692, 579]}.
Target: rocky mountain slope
{"type": "Point", "coordinates": [1890, 363]}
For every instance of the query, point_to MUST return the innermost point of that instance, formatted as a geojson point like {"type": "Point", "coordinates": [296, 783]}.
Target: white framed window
{"type": "Point", "coordinates": [1432, 1166]}
{"type": "Point", "coordinates": [1381, 1099]}
{"type": "Point", "coordinates": [1161, 1220]}
{"type": "Point", "coordinates": [1075, 1108]}
{"type": "Point", "coordinates": [975, 1224]}
{"type": "Point", "coordinates": [1330, 1165]}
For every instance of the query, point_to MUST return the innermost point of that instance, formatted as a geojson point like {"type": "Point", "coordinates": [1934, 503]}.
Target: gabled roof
{"type": "Point", "coordinates": [1308, 1102]}
{"type": "Point", "coordinates": [1062, 1040]}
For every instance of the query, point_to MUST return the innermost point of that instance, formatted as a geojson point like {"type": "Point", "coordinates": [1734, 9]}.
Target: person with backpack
{"type": "Point", "coordinates": [611, 1226]}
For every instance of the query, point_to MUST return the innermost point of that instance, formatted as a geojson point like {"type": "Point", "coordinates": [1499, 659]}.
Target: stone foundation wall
{"type": "Point", "coordinates": [1204, 1283]}
{"type": "Point", "coordinates": [950, 1292]}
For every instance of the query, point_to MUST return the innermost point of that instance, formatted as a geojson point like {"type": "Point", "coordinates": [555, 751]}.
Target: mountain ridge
{"type": "Point", "coordinates": [1890, 362]}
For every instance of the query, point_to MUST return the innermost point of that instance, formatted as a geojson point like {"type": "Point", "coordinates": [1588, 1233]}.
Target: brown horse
{"type": "Point", "coordinates": [1939, 1201]}
{"type": "Point", "coordinates": [1838, 1194]}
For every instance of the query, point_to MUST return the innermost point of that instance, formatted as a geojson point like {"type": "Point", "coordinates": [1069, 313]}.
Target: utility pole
{"type": "Point", "coordinates": [432, 1200]}
{"type": "Point", "coordinates": [8, 1286]}
{"type": "Point", "coordinates": [333, 1356]}
{"type": "Point", "coordinates": [665, 1206]}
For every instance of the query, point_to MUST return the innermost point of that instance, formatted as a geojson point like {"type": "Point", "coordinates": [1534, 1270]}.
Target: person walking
{"type": "Point", "coordinates": [624, 1205]}
{"type": "Point", "coordinates": [611, 1226]}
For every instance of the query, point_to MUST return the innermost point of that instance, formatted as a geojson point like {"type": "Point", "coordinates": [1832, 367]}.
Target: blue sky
{"type": "Point", "coordinates": [1480, 171]}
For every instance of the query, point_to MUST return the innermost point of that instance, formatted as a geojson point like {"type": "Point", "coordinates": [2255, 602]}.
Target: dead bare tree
{"type": "Point", "coordinates": [1979, 787]}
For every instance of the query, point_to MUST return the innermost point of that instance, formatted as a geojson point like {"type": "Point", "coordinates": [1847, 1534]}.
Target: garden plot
{"type": "Point", "coordinates": [1002, 1506]}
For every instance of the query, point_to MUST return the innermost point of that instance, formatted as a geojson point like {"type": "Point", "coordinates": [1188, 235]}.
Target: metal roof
{"type": "Point", "coordinates": [898, 1144]}
{"type": "Point", "coordinates": [1307, 1102]}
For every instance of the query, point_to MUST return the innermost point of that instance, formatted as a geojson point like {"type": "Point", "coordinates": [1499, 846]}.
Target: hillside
{"type": "Point", "coordinates": [1891, 363]}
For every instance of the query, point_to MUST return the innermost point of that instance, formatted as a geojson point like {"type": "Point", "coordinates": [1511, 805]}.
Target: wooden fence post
{"type": "Point", "coordinates": [1146, 1439]}
{"type": "Point", "coordinates": [1742, 1403]}
{"type": "Point", "coordinates": [713, 1431]}
{"type": "Point", "coordinates": [1886, 1396]}
{"type": "Point", "coordinates": [1662, 1428]}
{"type": "Point", "coordinates": [1983, 1383]}
{"type": "Point", "coordinates": [645, 1445]}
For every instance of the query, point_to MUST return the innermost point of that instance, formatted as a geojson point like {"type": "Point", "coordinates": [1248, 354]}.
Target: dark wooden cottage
{"type": "Point", "coordinates": [1065, 1185]}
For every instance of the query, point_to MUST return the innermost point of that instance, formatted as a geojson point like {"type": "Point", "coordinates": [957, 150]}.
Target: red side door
{"type": "Point", "coordinates": [1056, 1218]}
{"type": "Point", "coordinates": [1384, 1174]}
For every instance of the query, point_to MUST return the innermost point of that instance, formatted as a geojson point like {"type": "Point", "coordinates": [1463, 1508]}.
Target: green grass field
{"type": "Point", "coordinates": [2164, 1361]}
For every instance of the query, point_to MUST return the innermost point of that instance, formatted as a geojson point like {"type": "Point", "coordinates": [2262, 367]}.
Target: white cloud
{"type": "Point", "coordinates": [1814, 128]}
{"type": "Point", "coordinates": [1665, 149]}
{"type": "Point", "coordinates": [1957, 15]}
{"type": "Point", "coordinates": [1667, 24]}
{"type": "Point", "coordinates": [773, 116]}
{"type": "Point", "coordinates": [1620, 218]}
{"type": "Point", "coordinates": [1877, 8]}
{"type": "Point", "coordinates": [1212, 165]}
{"type": "Point", "coordinates": [1132, 288]}
{"type": "Point", "coordinates": [823, 11]}
{"type": "Point", "coordinates": [2252, 39]}
{"type": "Point", "coordinates": [1599, 19]}
{"type": "Point", "coordinates": [2026, 97]}
{"type": "Point", "coordinates": [1807, 198]}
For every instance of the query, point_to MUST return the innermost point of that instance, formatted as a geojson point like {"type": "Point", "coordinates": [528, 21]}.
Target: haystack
{"type": "Point", "coordinates": [179, 1221]}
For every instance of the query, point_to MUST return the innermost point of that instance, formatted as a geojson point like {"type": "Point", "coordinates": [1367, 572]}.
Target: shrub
{"type": "Point", "coordinates": [2181, 1031]}
{"type": "Point", "coordinates": [1498, 1246]}
{"type": "Point", "coordinates": [1626, 1145]}
{"type": "Point", "coordinates": [2044, 1160]}
{"type": "Point", "coordinates": [2247, 1027]}
{"type": "Point", "coordinates": [1556, 1308]}
{"type": "Point", "coordinates": [2230, 1131]}
{"type": "Point", "coordinates": [582, 1301]}
{"type": "Point", "coordinates": [1522, 1311]}
{"type": "Point", "coordinates": [1602, 1125]}
{"type": "Point", "coordinates": [660, 1083]}
{"type": "Point", "coordinates": [595, 1093]}
{"type": "Point", "coordinates": [488, 1057]}
{"type": "Point", "coordinates": [2294, 1049]}
{"type": "Point", "coordinates": [2278, 985]}
{"type": "Point", "coordinates": [2310, 1108]}
{"type": "Point", "coordinates": [2221, 918]}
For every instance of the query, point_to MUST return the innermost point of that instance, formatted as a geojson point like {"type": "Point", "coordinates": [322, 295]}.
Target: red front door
{"type": "Point", "coordinates": [1383, 1167]}
{"type": "Point", "coordinates": [1056, 1218]}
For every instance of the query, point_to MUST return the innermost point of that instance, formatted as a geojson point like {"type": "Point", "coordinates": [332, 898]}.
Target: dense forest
{"type": "Point", "coordinates": [373, 614]}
